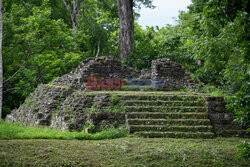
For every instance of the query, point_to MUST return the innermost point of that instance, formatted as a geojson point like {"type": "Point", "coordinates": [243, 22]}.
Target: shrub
{"type": "Point", "coordinates": [243, 151]}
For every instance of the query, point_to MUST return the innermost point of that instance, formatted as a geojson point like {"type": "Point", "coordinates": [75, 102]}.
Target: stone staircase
{"type": "Point", "coordinates": [182, 116]}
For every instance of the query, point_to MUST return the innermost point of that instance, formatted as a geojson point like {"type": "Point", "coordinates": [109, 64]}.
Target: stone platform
{"type": "Point", "coordinates": [67, 104]}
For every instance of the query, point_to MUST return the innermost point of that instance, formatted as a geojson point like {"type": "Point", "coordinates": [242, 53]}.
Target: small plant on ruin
{"type": "Point", "coordinates": [115, 99]}
{"type": "Point", "coordinates": [105, 125]}
{"type": "Point", "coordinates": [91, 128]}
{"type": "Point", "coordinates": [91, 110]}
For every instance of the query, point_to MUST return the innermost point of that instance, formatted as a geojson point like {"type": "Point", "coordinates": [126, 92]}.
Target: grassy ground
{"type": "Point", "coordinates": [129, 151]}
{"type": "Point", "coordinates": [17, 131]}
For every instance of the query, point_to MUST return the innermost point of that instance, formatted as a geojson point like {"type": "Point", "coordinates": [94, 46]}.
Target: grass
{"type": "Point", "coordinates": [17, 131]}
{"type": "Point", "coordinates": [215, 91]}
{"type": "Point", "coordinates": [131, 151]}
{"type": "Point", "coordinates": [41, 149]}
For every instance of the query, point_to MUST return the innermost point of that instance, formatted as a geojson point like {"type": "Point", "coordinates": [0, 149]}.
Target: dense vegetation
{"type": "Point", "coordinates": [39, 44]}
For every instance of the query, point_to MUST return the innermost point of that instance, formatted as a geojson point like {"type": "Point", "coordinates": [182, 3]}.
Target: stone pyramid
{"type": "Point", "coordinates": [70, 103]}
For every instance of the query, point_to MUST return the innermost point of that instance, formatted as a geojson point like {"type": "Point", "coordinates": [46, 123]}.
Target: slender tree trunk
{"type": "Point", "coordinates": [98, 48]}
{"type": "Point", "coordinates": [25, 5]}
{"type": "Point", "coordinates": [74, 14]}
{"type": "Point", "coordinates": [75, 17]}
{"type": "Point", "coordinates": [1, 60]}
{"type": "Point", "coordinates": [125, 8]}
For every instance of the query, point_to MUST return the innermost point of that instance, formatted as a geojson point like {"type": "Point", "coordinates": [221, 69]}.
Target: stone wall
{"type": "Point", "coordinates": [81, 109]}
{"type": "Point", "coordinates": [40, 105]}
{"type": "Point", "coordinates": [222, 121]}
{"type": "Point", "coordinates": [101, 67]}
{"type": "Point", "coordinates": [171, 75]}
{"type": "Point", "coordinates": [106, 119]}
{"type": "Point", "coordinates": [71, 114]}
{"type": "Point", "coordinates": [62, 104]}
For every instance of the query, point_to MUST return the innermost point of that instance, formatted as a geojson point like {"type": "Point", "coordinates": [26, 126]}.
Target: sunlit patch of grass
{"type": "Point", "coordinates": [17, 131]}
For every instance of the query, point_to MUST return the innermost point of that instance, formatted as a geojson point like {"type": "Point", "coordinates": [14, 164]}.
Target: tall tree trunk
{"type": "Point", "coordinates": [74, 14]}
{"type": "Point", "coordinates": [125, 8]}
{"type": "Point", "coordinates": [1, 62]}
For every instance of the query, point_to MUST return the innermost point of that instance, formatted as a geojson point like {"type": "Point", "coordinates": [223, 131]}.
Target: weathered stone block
{"type": "Point", "coordinates": [115, 119]}
{"type": "Point", "coordinates": [44, 122]}
{"type": "Point", "coordinates": [39, 115]}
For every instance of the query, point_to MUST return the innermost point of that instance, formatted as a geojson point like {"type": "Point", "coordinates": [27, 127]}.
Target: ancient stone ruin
{"type": "Point", "coordinates": [70, 103]}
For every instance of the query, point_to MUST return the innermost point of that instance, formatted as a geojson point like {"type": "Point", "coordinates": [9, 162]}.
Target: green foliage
{"type": "Point", "coordinates": [243, 151]}
{"type": "Point", "coordinates": [105, 125]}
{"type": "Point", "coordinates": [115, 99]}
{"type": "Point", "coordinates": [146, 48]}
{"type": "Point", "coordinates": [91, 128]}
{"type": "Point", "coordinates": [221, 40]}
{"type": "Point", "coordinates": [97, 26]}
{"type": "Point", "coordinates": [240, 105]}
{"type": "Point", "coordinates": [216, 32]}
{"type": "Point", "coordinates": [37, 48]}
{"type": "Point", "coordinates": [145, 3]}
{"type": "Point", "coordinates": [222, 45]}
{"type": "Point", "coordinates": [17, 131]}
{"type": "Point", "coordinates": [154, 43]}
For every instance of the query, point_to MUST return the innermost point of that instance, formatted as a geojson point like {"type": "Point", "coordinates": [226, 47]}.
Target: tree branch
{"type": "Point", "coordinates": [26, 57]}
{"type": "Point", "coordinates": [76, 11]}
{"type": "Point", "coordinates": [5, 81]}
{"type": "Point", "coordinates": [9, 90]}
{"type": "Point", "coordinates": [67, 7]}
{"type": "Point", "coordinates": [25, 5]}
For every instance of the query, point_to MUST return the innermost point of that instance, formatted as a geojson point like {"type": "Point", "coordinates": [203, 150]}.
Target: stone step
{"type": "Point", "coordinates": [168, 121]}
{"type": "Point", "coordinates": [162, 103]}
{"type": "Point", "coordinates": [165, 109]}
{"type": "Point", "coordinates": [161, 97]}
{"type": "Point", "coordinates": [176, 134]}
{"type": "Point", "coordinates": [175, 115]}
{"type": "Point", "coordinates": [162, 128]}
